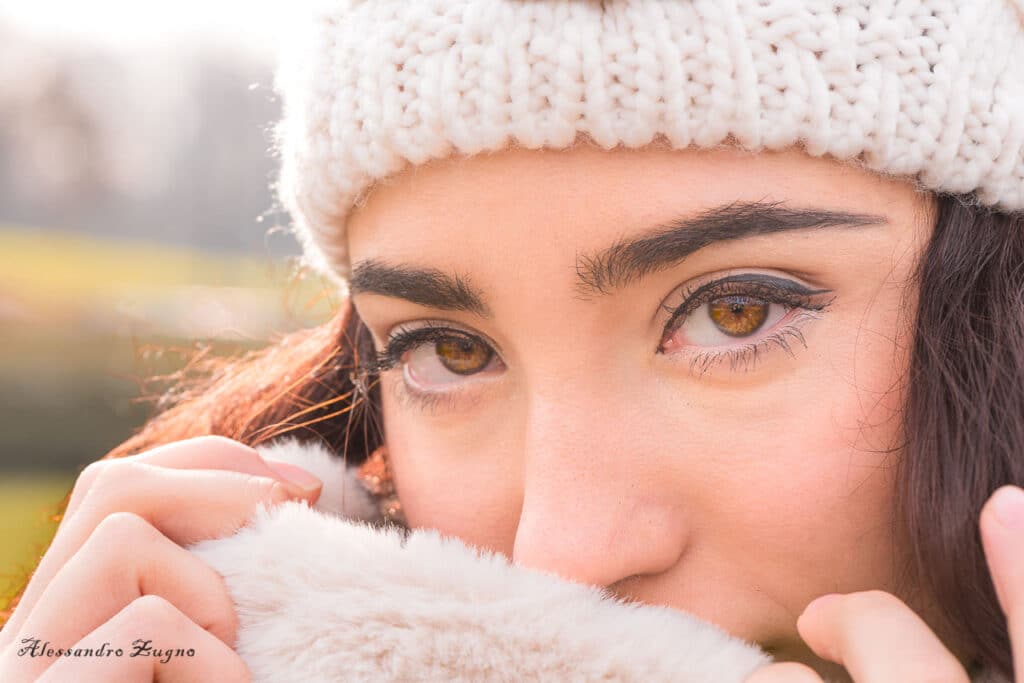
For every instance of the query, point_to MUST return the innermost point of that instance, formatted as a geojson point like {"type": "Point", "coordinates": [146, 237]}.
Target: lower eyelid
{"type": "Point", "coordinates": [749, 352]}
{"type": "Point", "coordinates": [426, 400]}
{"type": "Point", "coordinates": [451, 395]}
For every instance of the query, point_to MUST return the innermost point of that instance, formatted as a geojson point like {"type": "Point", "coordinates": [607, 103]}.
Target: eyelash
{"type": "Point", "coordinates": [403, 340]}
{"type": "Point", "coordinates": [761, 288]}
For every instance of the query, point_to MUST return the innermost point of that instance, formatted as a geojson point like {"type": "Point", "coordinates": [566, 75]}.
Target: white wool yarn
{"type": "Point", "coordinates": [929, 90]}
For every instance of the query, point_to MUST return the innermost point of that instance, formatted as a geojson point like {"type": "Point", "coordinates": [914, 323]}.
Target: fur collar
{"type": "Point", "coordinates": [329, 594]}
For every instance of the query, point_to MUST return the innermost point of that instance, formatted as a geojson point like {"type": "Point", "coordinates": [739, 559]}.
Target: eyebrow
{"type": "Point", "coordinates": [602, 273]}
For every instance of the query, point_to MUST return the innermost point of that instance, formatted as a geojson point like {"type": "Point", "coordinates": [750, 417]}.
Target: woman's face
{"type": "Point", "coordinates": [669, 373]}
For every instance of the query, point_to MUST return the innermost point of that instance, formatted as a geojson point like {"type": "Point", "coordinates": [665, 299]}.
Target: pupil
{"type": "Point", "coordinates": [738, 316]}
{"type": "Point", "coordinates": [457, 355]}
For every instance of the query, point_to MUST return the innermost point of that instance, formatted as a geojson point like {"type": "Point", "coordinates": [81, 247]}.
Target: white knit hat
{"type": "Point", "coordinates": [932, 90]}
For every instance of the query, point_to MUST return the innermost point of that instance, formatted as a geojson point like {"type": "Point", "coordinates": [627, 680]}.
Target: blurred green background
{"type": "Point", "coordinates": [137, 227]}
{"type": "Point", "coordinates": [86, 322]}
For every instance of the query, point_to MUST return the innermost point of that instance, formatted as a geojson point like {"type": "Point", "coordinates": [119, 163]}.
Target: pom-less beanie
{"type": "Point", "coordinates": [927, 90]}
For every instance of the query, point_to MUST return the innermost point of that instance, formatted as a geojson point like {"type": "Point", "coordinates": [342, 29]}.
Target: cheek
{"type": "Point", "coordinates": [793, 465]}
{"type": "Point", "coordinates": [811, 477]}
{"type": "Point", "coordinates": [446, 477]}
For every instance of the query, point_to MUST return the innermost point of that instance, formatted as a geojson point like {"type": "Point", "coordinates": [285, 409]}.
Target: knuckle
{"type": "Point", "coordinates": [87, 477]}
{"type": "Point", "coordinates": [153, 611]}
{"type": "Point", "coordinates": [91, 470]}
{"type": "Point", "coordinates": [99, 481]}
{"type": "Point", "coordinates": [219, 618]}
{"type": "Point", "coordinates": [126, 528]}
{"type": "Point", "coordinates": [116, 550]}
{"type": "Point", "coordinates": [114, 474]}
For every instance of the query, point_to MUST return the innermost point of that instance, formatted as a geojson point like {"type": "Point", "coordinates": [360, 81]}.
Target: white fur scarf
{"type": "Point", "coordinates": [328, 594]}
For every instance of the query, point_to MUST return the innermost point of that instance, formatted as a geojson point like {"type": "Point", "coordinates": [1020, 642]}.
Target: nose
{"type": "Point", "coordinates": [595, 509]}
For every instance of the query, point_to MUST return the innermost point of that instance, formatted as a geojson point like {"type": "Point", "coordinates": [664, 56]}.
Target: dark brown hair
{"type": "Point", "coordinates": [963, 423]}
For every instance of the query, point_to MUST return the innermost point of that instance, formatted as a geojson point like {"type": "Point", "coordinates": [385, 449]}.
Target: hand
{"type": "Point", "coordinates": [116, 572]}
{"type": "Point", "coordinates": [877, 638]}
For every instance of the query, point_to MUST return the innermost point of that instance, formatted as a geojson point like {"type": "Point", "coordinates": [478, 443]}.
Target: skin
{"type": "Point", "coordinates": [117, 567]}
{"type": "Point", "coordinates": [651, 505]}
{"type": "Point", "coordinates": [739, 496]}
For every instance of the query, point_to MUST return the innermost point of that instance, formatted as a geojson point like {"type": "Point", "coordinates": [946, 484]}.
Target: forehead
{"type": "Point", "coordinates": [584, 197]}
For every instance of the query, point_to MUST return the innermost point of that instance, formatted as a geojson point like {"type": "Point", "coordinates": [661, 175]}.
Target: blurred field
{"type": "Point", "coordinates": [26, 503]}
{"type": "Point", "coordinates": [49, 277]}
{"type": "Point", "coordinates": [84, 323]}
{"type": "Point", "coordinates": [74, 269]}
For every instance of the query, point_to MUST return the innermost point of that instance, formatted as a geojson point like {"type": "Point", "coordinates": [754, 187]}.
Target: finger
{"type": "Point", "coordinates": [878, 639]}
{"type": "Point", "coordinates": [784, 672]}
{"type": "Point", "coordinates": [201, 452]}
{"type": "Point", "coordinates": [152, 619]}
{"type": "Point", "coordinates": [185, 505]}
{"type": "Point", "coordinates": [1002, 537]}
{"type": "Point", "coordinates": [124, 559]}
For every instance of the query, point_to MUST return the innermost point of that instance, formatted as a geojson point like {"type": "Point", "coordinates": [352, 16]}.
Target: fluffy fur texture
{"type": "Point", "coordinates": [331, 594]}
{"type": "Point", "coordinates": [929, 90]}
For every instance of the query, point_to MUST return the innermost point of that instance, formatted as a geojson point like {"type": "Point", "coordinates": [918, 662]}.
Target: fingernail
{"type": "Point", "coordinates": [1008, 507]}
{"type": "Point", "coordinates": [295, 475]}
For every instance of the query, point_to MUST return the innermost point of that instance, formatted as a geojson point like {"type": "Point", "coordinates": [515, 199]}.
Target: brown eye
{"type": "Point", "coordinates": [462, 356]}
{"type": "Point", "coordinates": [738, 316]}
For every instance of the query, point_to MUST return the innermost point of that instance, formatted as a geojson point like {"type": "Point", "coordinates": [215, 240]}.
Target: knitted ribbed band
{"type": "Point", "coordinates": [932, 90]}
